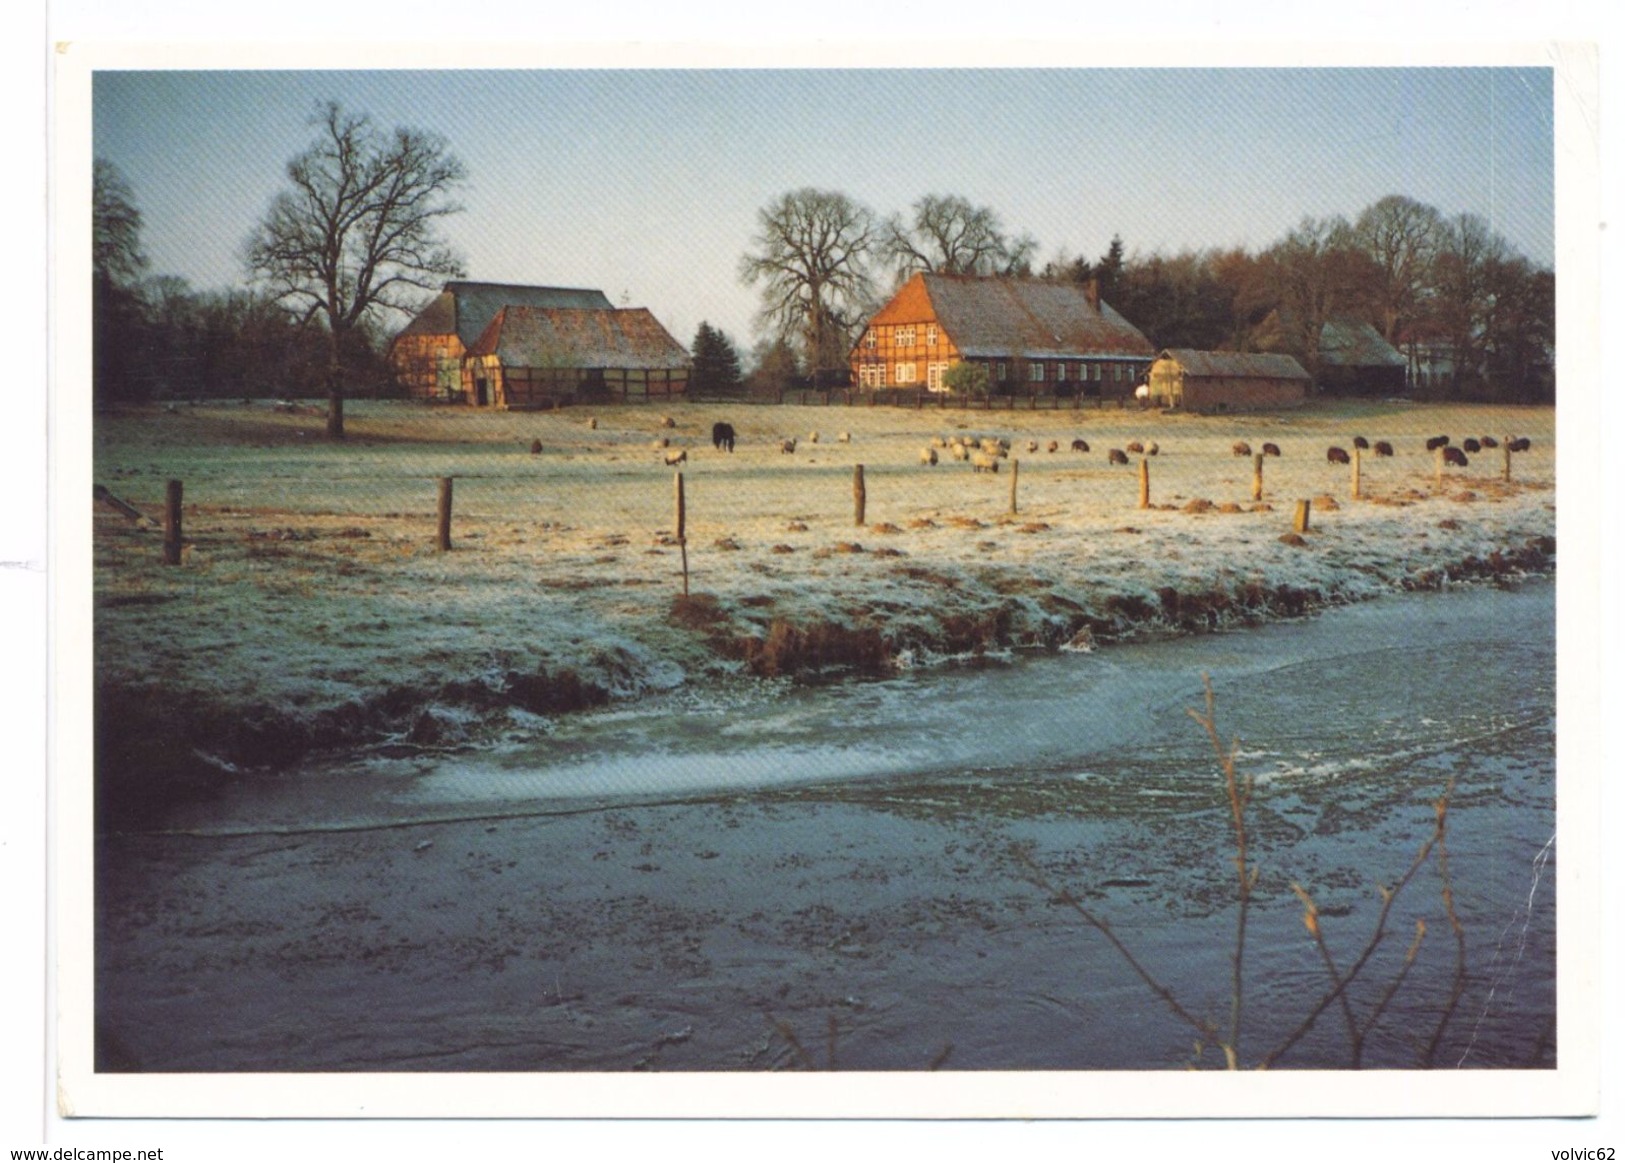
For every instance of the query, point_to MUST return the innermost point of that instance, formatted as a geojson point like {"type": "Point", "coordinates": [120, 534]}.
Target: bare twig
{"type": "Point", "coordinates": [1061, 895]}
{"type": "Point", "coordinates": [1458, 984]}
{"type": "Point", "coordinates": [789, 1036]}
{"type": "Point", "coordinates": [1377, 936]}
{"type": "Point", "coordinates": [1393, 988]}
{"type": "Point", "coordinates": [1311, 921]}
{"type": "Point", "coordinates": [1238, 792]}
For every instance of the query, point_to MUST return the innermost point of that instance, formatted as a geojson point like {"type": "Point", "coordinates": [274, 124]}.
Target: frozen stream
{"type": "Point", "coordinates": [717, 879]}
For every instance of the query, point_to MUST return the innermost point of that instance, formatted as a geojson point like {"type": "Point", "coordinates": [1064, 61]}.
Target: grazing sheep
{"type": "Point", "coordinates": [1241, 448]}
{"type": "Point", "coordinates": [1519, 445]}
{"type": "Point", "coordinates": [1080, 446]}
{"type": "Point", "coordinates": [984, 462]}
{"type": "Point", "coordinates": [1361, 442]}
{"type": "Point", "coordinates": [958, 451]}
{"type": "Point", "coordinates": [1032, 446]}
{"type": "Point", "coordinates": [938, 442]}
{"type": "Point", "coordinates": [722, 436]}
{"type": "Point", "coordinates": [788, 444]}
{"type": "Point", "coordinates": [1489, 442]}
{"type": "Point", "coordinates": [1437, 442]}
{"type": "Point", "coordinates": [535, 447]}
{"type": "Point", "coordinates": [1383, 448]}
{"type": "Point", "coordinates": [928, 456]}
{"type": "Point", "coordinates": [1455, 456]}
{"type": "Point", "coordinates": [1152, 449]}
{"type": "Point", "coordinates": [667, 422]}
{"type": "Point", "coordinates": [592, 421]}
{"type": "Point", "coordinates": [812, 437]}
{"type": "Point", "coordinates": [1470, 445]}
{"type": "Point", "coordinates": [1054, 445]}
{"type": "Point", "coordinates": [1336, 455]}
{"type": "Point", "coordinates": [1135, 446]}
{"type": "Point", "coordinates": [659, 442]}
{"type": "Point", "coordinates": [1271, 450]}
{"type": "Point", "coordinates": [1117, 456]}
{"type": "Point", "coordinates": [844, 438]}
{"type": "Point", "coordinates": [676, 456]}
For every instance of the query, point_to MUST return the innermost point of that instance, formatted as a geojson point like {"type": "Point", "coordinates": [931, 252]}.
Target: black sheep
{"type": "Point", "coordinates": [1272, 450]}
{"type": "Point", "coordinates": [1383, 448]}
{"type": "Point", "coordinates": [1470, 445]}
{"type": "Point", "coordinates": [1455, 456]}
{"type": "Point", "coordinates": [1117, 456]}
{"type": "Point", "coordinates": [1437, 442]}
{"type": "Point", "coordinates": [722, 436]}
{"type": "Point", "coordinates": [1336, 455]}
{"type": "Point", "coordinates": [1361, 442]}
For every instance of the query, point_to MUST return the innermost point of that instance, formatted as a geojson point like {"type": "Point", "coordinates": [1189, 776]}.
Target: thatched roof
{"type": "Point", "coordinates": [1235, 364]}
{"type": "Point", "coordinates": [989, 318]}
{"type": "Point", "coordinates": [571, 337]}
{"type": "Point", "coordinates": [467, 308]}
{"type": "Point", "coordinates": [1352, 343]}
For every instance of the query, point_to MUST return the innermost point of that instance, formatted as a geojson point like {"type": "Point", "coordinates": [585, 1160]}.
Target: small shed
{"type": "Point", "coordinates": [1355, 360]}
{"type": "Point", "coordinates": [428, 352]}
{"type": "Point", "coordinates": [1222, 381]}
{"type": "Point", "coordinates": [546, 357]}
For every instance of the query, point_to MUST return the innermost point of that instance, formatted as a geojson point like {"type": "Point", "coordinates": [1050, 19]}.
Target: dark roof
{"type": "Point", "coordinates": [1235, 364]}
{"type": "Point", "coordinates": [570, 337]}
{"type": "Point", "coordinates": [468, 308]}
{"type": "Point", "coordinates": [993, 317]}
{"type": "Point", "coordinates": [1353, 343]}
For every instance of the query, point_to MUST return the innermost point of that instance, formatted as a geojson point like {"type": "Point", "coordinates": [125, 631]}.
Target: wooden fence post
{"type": "Point", "coordinates": [1438, 468]}
{"type": "Point", "coordinates": [1354, 474]}
{"type": "Point", "coordinates": [1506, 459]}
{"type": "Point", "coordinates": [443, 533]}
{"type": "Point", "coordinates": [1300, 519]}
{"type": "Point", "coordinates": [1258, 476]}
{"type": "Point", "coordinates": [1145, 482]}
{"type": "Point", "coordinates": [682, 530]}
{"type": "Point", "coordinates": [859, 495]}
{"type": "Point", "coordinates": [172, 523]}
{"type": "Point", "coordinates": [1015, 475]}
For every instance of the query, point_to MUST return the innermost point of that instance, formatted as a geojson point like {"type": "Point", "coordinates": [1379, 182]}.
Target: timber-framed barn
{"type": "Point", "coordinates": [1033, 337]}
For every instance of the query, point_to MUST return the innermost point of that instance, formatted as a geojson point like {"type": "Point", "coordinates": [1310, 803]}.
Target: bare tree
{"type": "Point", "coordinates": [357, 230]}
{"type": "Point", "coordinates": [1463, 283]}
{"type": "Point", "coordinates": [949, 236]}
{"type": "Point", "coordinates": [1310, 267]}
{"type": "Point", "coordinates": [1399, 236]}
{"type": "Point", "coordinates": [812, 255]}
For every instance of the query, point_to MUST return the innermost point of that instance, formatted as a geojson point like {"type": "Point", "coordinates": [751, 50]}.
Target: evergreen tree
{"type": "Point", "coordinates": [716, 364]}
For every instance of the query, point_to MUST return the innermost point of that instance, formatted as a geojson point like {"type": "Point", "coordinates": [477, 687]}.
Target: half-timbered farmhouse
{"type": "Point", "coordinates": [428, 353]}
{"type": "Point", "coordinates": [1034, 338]}
{"type": "Point", "coordinates": [544, 357]}
{"type": "Point", "coordinates": [1222, 381]}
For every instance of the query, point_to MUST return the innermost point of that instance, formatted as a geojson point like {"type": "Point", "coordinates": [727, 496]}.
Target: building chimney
{"type": "Point", "coordinates": [1092, 292]}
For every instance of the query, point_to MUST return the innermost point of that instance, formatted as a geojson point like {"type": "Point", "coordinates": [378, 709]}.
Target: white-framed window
{"type": "Point", "coordinates": [1063, 370]}
{"type": "Point", "coordinates": [870, 339]}
{"type": "Point", "coordinates": [933, 376]}
{"type": "Point", "coordinates": [1001, 370]}
{"type": "Point", "coordinates": [905, 373]}
{"type": "Point", "coordinates": [930, 334]}
{"type": "Point", "coordinates": [903, 336]}
{"type": "Point", "coordinates": [1035, 372]}
{"type": "Point", "coordinates": [1095, 369]}
{"type": "Point", "coordinates": [871, 375]}
{"type": "Point", "coordinates": [1118, 371]}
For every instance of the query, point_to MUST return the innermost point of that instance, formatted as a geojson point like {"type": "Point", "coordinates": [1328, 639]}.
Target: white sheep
{"type": "Point", "coordinates": [844, 438]}
{"type": "Point", "coordinates": [676, 456]}
{"type": "Point", "coordinates": [812, 437]}
{"type": "Point", "coordinates": [928, 456]}
{"type": "Point", "coordinates": [984, 462]}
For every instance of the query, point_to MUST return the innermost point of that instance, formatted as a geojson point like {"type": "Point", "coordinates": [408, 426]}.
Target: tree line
{"type": "Point", "coordinates": [351, 244]}
{"type": "Point", "coordinates": [1443, 290]}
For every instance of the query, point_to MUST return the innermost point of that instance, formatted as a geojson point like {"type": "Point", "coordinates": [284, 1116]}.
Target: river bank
{"type": "Point", "coordinates": [312, 613]}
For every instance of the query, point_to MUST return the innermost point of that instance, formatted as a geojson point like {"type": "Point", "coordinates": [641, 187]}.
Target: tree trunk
{"type": "Point", "coordinates": [335, 386]}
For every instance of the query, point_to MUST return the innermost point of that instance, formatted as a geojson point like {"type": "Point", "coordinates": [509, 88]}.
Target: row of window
{"type": "Point", "coordinates": [873, 375]}
{"type": "Point", "coordinates": [904, 336]}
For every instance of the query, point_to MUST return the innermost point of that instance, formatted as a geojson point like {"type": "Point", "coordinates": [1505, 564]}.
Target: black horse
{"type": "Point", "coordinates": [722, 436]}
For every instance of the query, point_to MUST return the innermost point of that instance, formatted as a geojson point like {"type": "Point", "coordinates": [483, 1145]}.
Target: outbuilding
{"type": "Point", "coordinates": [1224, 381]}
{"type": "Point", "coordinates": [428, 352]}
{"type": "Point", "coordinates": [546, 357]}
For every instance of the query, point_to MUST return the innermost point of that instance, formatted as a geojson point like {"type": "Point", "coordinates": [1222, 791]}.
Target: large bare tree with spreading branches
{"type": "Point", "coordinates": [357, 230]}
{"type": "Point", "coordinates": [812, 255]}
{"type": "Point", "coordinates": [949, 236]}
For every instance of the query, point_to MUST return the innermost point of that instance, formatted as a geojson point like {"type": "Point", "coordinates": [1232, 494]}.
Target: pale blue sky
{"type": "Point", "coordinates": [647, 182]}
